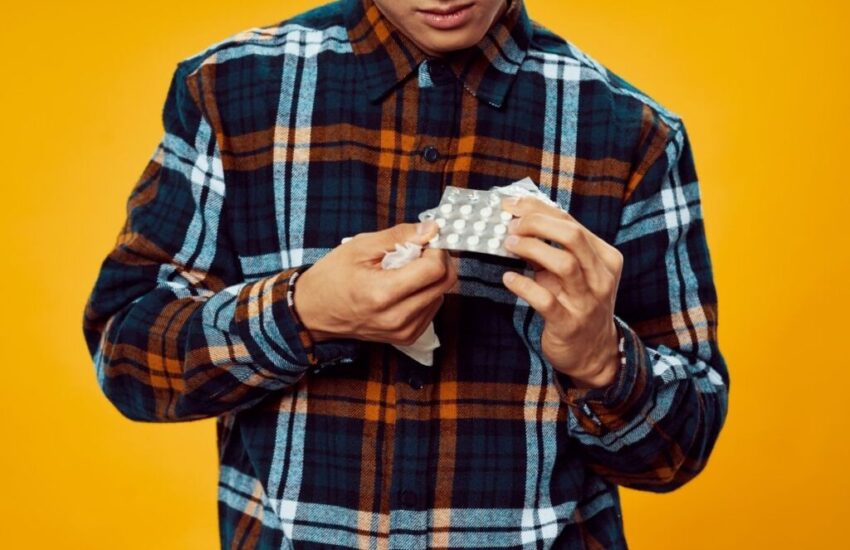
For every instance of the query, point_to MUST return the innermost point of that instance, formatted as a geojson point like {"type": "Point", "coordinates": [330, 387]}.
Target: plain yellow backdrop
{"type": "Point", "coordinates": [763, 89]}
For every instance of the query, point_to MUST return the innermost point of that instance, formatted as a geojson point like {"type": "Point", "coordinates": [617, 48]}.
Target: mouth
{"type": "Point", "coordinates": [448, 17]}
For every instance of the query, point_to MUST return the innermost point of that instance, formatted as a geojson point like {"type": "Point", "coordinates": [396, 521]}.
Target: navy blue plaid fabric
{"type": "Point", "coordinates": [282, 140]}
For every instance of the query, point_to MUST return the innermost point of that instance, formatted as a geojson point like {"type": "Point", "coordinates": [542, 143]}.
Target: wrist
{"type": "Point", "coordinates": [605, 369]}
{"type": "Point", "coordinates": [601, 377]}
{"type": "Point", "coordinates": [304, 310]}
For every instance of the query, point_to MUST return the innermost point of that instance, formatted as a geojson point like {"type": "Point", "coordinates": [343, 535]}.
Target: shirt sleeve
{"type": "Point", "coordinates": [174, 331]}
{"type": "Point", "coordinates": [655, 425]}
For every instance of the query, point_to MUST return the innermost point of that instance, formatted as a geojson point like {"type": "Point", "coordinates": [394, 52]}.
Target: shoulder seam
{"type": "Point", "coordinates": [265, 35]}
{"type": "Point", "coordinates": [608, 77]}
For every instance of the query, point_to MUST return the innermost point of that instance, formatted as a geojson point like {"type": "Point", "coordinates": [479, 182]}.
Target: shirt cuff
{"type": "Point", "coordinates": [613, 406]}
{"type": "Point", "coordinates": [317, 354]}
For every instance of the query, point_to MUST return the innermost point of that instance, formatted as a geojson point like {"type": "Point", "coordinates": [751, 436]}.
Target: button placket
{"type": "Point", "coordinates": [436, 129]}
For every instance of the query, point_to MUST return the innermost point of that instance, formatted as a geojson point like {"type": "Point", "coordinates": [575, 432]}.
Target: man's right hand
{"type": "Point", "coordinates": [346, 294]}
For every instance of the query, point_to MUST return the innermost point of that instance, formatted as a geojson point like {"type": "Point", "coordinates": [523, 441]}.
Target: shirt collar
{"type": "Point", "coordinates": [388, 56]}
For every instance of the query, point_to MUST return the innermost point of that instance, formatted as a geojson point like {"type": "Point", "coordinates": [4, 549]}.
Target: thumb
{"type": "Point", "coordinates": [419, 233]}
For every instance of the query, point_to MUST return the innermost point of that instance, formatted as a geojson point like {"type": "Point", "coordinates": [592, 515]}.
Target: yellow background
{"type": "Point", "coordinates": [763, 89]}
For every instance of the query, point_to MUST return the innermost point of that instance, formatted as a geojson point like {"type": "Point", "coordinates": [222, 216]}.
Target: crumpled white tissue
{"type": "Point", "coordinates": [401, 256]}
{"type": "Point", "coordinates": [422, 350]}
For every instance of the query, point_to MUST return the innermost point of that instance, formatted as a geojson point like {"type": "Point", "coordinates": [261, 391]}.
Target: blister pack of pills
{"type": "Point", "coordinates": [473, 219]}
{"type": "Point", "coordinates": [470, 219]}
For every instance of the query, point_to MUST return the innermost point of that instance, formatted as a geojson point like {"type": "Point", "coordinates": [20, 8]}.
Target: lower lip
{"type": "Point", "coordinates": [448, 21]}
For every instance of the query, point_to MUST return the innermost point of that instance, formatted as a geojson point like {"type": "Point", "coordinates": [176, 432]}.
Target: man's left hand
{"type": "Point", "coordinates": [574, 289]}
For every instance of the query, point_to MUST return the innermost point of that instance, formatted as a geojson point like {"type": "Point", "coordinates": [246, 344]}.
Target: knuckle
{"type": "Point", "coordinates": [549, 303]}
{"type": "Point", "coordinates": [433, 256]}
{"type": "Point", "coordinates": [527, 205]}
{"type": "Point", "coordinates": [524, 283]}
{"type": "Point", "coordinates": [572, 234]}
{"type": "Point", "coordinates": [565, 265]}
{"type": "Point", "coordinates": [360, 296]}
{"type": "Point", "coordinates": [390, 323]}
{"type": "Point", "coordinates": [360, 307]}
{"type": "Point", "coordinates": [520, 224]}
{"type": "Point", "coordinates": [379, 298]}
{"type": "Point", "coordinates": [404, 321]}
{"type": "Point", "coordinates": [407, 342]}
{"type": "Point", "coordinates": [607, 284]}
{"type": "Point", "coordinates": [400, 232]}
{"type": "Point", "coordinates": [618, 257]}
{"type": "Point", "coordinates": [434, 307]}
{"type": "Point", "coordinates": [408, 335]}
{"type": "Point", "coordinates": [515, 203]}
{"type": "Point", "coordinates": [400, 322]}
{"type": "Point", "coordinates": [394, 339]}
{"type": "Point", "coordinates": [451, 279]}
{"type": "Point", "coordinates": [434, 268]}
{"type": "Point", "coordinates": [519, 282]}
{"type": "Point", "coordinates": [535, 218]}
{"type": "Point", "coordinates": [533, 222]}
{"type": "Point", "coordinates": [361, 241]}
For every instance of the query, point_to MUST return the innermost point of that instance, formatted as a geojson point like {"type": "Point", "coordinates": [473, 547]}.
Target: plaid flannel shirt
{"type": "Point", "coordinates": [282, 140]}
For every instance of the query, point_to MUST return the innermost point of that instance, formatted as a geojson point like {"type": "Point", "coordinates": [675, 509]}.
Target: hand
{"type": "Point", "coordinates": [346, 294]}
{"type": "Point", "coordinates": [574, 289]}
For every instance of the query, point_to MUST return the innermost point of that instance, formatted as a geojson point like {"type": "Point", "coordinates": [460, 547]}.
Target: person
{"type": "Point", "coordinates": [589, 361]}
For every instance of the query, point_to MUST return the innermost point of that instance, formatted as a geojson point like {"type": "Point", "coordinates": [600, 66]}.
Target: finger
{"type": "Point", "coordinates": [562, 263]}
{"type": "Point", "coordinates": [543, 301]}
{"type": "Point", "coordinates": [451, 268]}
{"type": "Point", "coordinates": [390, 286]}
{"type": "Point", "coordinates": [569, 235]}
{"type": "Point", "coordinates": [374, 244]}
{"type": "Point", "coordinates": [418, 324]}
{"type": "Point", "coordinates": [522, 206]}
{"type": "Point", "coordinates": [550, 282]}
{"type": "Point", "coordinates": [419, 233]}
{"type": "Point", "coordinates": [421, 297]}
{"type": "Point", "coordinates": [437, 253]}
{"type": "Point", "coordinates": [419, 274]}
{"type": "Point", "coordinates": [414, 312]}
{"type": "Point", "coordinates": [427, 315]}
{"type": "Point", "coordinates": [450, 275]}
{"type": "Point", "coordinates": [529, 205]}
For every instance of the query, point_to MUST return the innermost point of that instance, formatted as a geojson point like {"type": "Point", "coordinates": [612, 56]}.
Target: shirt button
{"type": "Point", "coordinates": [430, 154]}
{"type": "Point", "coordinates": [415, 382]}
{"type": "Point", "coordinates": [408, 499]}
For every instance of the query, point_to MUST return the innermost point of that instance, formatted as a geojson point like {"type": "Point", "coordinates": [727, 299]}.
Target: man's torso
{"type": "Point", "coordinates": [318, 142]}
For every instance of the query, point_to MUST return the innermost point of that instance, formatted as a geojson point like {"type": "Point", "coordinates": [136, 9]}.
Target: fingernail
{"type": "Point", "coordinates": [509, 276]}
{"type": "Point", "coordinates": [513, 224]}
{"type": "Point", "coordinates": [512, 200]}
{"type": "Point", "coordinates": [424, 227]}
{"type": "Point", "coordinates": [511, 241]}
